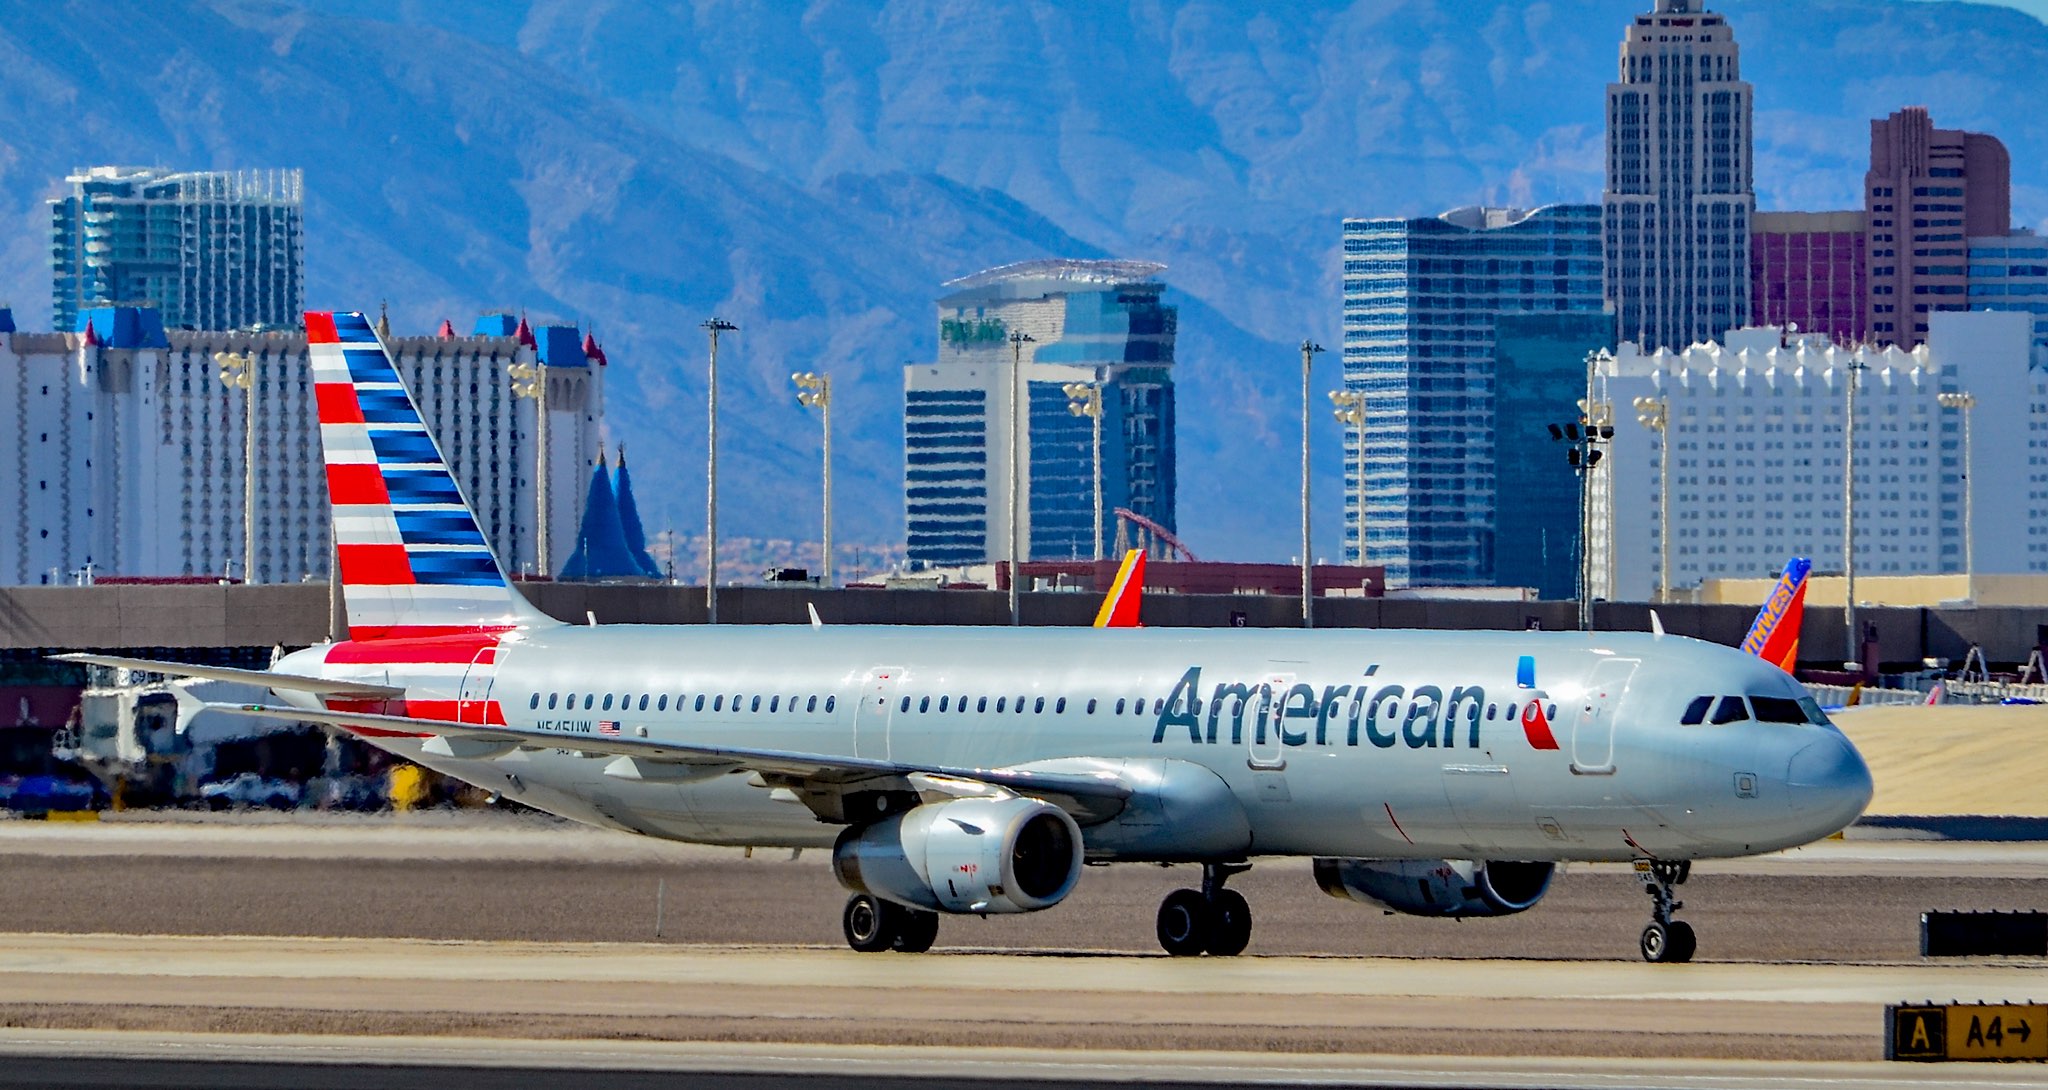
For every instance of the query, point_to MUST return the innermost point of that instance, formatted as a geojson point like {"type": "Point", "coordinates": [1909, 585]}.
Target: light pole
{"type": "Point", "coordinates": [815, 392]}
{"type": "Point", "coordinates": [1350, 411]}
{"type": "Point", "coordinates": [1582, 453]}
{"type": "Point", "coordinates": [1308, 592]}
{"type": "Point", "coordinates": [530, 380]}
{"type": "Point", "coordinates": [238, 372]}
{"type": "Point", "coordinates": [1963, 401]}
{"type": "Point", "coordinates": [1654, 413]}
{"type": "Point", "coordinates": [713, 326]}
{"type": "Point", "coordinates": [1855, 367]}
{"type": "Point", "coordinates": [1018, 340]}
{"type": "Point", "coordinates": [1085, 399]}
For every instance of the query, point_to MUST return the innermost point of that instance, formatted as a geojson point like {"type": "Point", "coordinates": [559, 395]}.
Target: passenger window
{"type": "Point", "coordinates": [534, 704]}
{"type": "Point", "coordinates": [757, 704]}
{"type": "Point", "coordinates": [1489, 713]}
{"type": "Point", "coordinates": [1138, 706]}
{"type": "Point", "coordinates": [811, 705]}
{"type": "Point", "coordinates": [1119, 705]}
{"type": "Point", "coordinates": [942, 702]}
{"type": "Point", "coordinates": [775, 704]}
{"type": "Point", "coordinates": [829, 701]}
{"type": "Point", "coordinates": [1038, 706]}
{"type": "Point", "coordinates": [1091, 705]}
{"type": "Point", "coordinates": [924, 705]}
{"type": "Point", "coordinates": [999, 703]}
{"type": "Point", "coordinates": [1696, 712]}
{"type": "Point", "coordinates": [552, 698]}
{"type": "Point", "coordinates": [588, 700]}
{"type": "Point", "coordinates": [1060, 707]}
{"type": "Point", "coordinates": [700, 702]}
{"type": "Point", "coordinates": [906, 705]}
{"type": "Point", "coordinates": [1731, 710]}
{"type": "Point", "coordinates": [981, 704]}
{"type": "Point", "coordinates": [1020, 705]}
{"type": "Point", "coordinates": [662, 704]}
{"type": "Point", "coordinates": [1777, 709]}
{"type": "Point", "coordinates": [1159, 705]}
{"type": "Point", "coordinates": [718, 703]}
{"type": "Point", "coordinates": [1508, 713]}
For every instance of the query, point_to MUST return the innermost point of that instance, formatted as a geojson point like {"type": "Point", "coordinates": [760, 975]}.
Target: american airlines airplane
{"type": "Point", "coordinates": [962, 770]}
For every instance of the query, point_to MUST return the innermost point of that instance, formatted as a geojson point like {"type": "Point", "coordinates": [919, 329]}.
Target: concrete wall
{"type": "Point", "coordinates": [182, 618]}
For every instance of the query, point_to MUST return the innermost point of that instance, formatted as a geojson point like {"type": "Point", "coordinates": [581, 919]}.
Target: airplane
{"type": "Point", "coordinates": [1774, 635]}
{"type": "Point", "coordinates": [1120, 605]}
{"type": "Point", "coordinates": [954, 770]}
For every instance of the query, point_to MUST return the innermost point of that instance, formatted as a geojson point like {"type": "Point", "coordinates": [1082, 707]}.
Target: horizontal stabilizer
{"type": "Point", "coordinates": [260, 678]}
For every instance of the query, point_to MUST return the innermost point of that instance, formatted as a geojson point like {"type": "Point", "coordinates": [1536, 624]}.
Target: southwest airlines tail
{"type": "Point", "coordinates": [1120, 605]}
{"type": "Point", "coordinates": [1774, 637]}
{"type": "Point", "coordinates": [413, 562]}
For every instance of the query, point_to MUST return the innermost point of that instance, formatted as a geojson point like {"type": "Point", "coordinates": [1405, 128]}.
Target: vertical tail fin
{"type": "Point", "coordinates": [413, 561]}
{"type": "Point", "coordinates": [1774, 637]}
{"type": "Point", "coordinates": [1120, 605]}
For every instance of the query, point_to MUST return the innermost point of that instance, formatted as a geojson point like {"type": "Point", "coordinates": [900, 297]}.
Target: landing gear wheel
{"type": "Point", "coordinates": [1682, 942]}
{"type": "Point", "coordinates": [1185, 920]}
{"type": "Point", "coordinates": [1230, 924]}
{"type": "Point", "coordinates": [919, 930]}
{"type": "Point", "coordinates": [872, 925]}
{"type": "Point", "coordinates": [1656, 943]}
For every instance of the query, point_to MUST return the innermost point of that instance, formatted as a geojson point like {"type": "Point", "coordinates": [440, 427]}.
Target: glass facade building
{"type": "Point", "coordinates": [1679, 196]}
{"type": "Point", "coordinates": [1539, 365]}
{"type": "Point", "coordinates": [1807, 271]}
{"type": "Point", "coordinates": [1421, 298]}
{"type": "Point", "coordinates": [207, 250]}
{"type": "Point", "coordinates": [1089, 322]}
{"type": "Point", "coordinates": [2010, 272]}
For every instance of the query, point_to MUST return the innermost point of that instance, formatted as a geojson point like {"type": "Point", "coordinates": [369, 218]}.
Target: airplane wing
{"type": "Point", "coordinates": [821, 780]}
{"type": "Point", "coordinates": [260, 678]}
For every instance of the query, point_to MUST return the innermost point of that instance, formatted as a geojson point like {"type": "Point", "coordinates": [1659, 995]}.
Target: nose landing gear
{"type": "Point", "coordinates": [1666, 939]}
{"type": "Point", "coordinates": [1210, 920]}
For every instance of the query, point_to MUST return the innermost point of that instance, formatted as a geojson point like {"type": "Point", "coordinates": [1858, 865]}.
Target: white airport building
{"type": "Point", "coordinates": [1755, 434]}
{"type": "Point", "coordinates": [127, 448]}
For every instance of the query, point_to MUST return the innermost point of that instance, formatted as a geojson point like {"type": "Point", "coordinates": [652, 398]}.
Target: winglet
{"type": "Point", "coordinates": [1656, 624]}
{"type": "Point", "coordinates": [813, 608]}
{"type": "Point", "coordinates": [1120, 605]}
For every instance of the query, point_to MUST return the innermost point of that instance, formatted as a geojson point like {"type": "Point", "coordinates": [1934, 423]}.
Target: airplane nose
{"type": "Point", "coordinates": [1829, 780]}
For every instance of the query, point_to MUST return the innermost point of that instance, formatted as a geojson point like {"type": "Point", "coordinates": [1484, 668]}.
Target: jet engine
{"type": "Point", "coordinates": [979, 855]}
{"type": "Point", "coordinates": [1437, 887]}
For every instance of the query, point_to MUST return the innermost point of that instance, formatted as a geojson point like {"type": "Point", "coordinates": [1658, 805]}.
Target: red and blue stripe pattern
{"type": "Point", "coordinates": [414, 564]}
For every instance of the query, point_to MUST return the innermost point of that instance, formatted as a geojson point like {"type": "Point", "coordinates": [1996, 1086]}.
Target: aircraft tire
{"type": "Point", "coordinates": [1230, 924]}
{"type": "Point", "coordinates": [1185, 923]}
{"type": "Point", "coordinates": [1657, 943]}
{"type": "Point", "coordinates": [918, 930]}
{"type": "Point", "coordinates": [872, 925]}
{"type": "Point", "coordinates": [1683, 942]}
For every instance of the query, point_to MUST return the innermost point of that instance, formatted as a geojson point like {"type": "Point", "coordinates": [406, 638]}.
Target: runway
{"type": "Point", "coordinates": [536, 944]}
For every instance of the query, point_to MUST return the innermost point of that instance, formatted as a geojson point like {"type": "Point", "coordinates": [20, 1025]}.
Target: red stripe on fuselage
{"type": "Point", "coordinates": [351, 484]}
{"type": "Point", "coordinates": [460, 645]}
{"type": "Point", "coordinates": [375, 566]}
{"type": "Point", "coordinates": [337, 403]}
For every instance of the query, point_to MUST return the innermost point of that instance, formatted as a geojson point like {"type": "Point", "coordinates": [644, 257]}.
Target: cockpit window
{"type": "Point", "coordinates": [1696, 712]}
{"type": "Point", "coordinates": [1777, 709]}
{"type": "Point", "coordinates": [1814, 715]}
{"type": "Point", "coordinates": [1731, 710]}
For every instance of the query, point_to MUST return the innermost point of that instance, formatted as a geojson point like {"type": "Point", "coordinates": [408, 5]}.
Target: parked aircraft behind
{"type": "Point", "coordinates": [962, 770]}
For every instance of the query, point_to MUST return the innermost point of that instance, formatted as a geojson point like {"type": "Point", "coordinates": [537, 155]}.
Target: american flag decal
{"type": "Point", "coordinates": [607, 726]}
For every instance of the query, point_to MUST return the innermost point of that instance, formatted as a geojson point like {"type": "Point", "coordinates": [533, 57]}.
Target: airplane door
{"type": "Point", "coordinates": [1593, 734]}
{"type": "Point", "coordinates": [473, 703]}
{"type": "Point", "coordinates": [1262, 734]}
{"type": "Point", "coordinates": [1484, 803]}
{"type": "Point", "coordinates": [871, 718]}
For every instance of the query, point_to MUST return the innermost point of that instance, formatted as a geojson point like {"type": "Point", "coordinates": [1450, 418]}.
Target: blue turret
{"type": "Point", "coordinates": [601, 551]}
{"type": "Point", "coordinates": [629, 521]}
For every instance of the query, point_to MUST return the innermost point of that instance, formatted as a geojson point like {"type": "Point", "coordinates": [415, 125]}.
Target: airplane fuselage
{"type": "Point", "coordinates": [1342, 743]}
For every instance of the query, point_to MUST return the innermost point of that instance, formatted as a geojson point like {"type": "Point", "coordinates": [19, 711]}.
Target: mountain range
{"type": "Point", "coordinates": [813, 170]}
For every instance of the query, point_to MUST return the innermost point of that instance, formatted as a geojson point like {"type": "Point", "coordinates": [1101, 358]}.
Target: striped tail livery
{"type": "Point", "coordinates": [414, 564]}
{"type": "Point", "coordinates": [1774, 637]}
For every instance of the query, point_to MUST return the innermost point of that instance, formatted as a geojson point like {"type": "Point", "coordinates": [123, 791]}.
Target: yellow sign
{"type": "Point", "coordinates": [1998, 1032]}
{"type": "Point", "coordinates": [1970, 1031]}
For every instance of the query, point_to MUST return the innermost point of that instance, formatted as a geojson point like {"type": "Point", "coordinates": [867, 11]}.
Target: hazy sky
{"type": "Point", "coordinates": [2036, 8]}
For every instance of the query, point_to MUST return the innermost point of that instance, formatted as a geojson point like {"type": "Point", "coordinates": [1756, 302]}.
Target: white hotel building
{"type": "Point", "coordinates": [1756, 438]}
{"type": "Point", "coordinates": [126, 449]}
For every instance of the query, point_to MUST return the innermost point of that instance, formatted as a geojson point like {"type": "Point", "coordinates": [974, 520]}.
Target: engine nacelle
{"type": "Point", "coordinates": [965, 855]}
{"type": "Point", "coordinates": [1437, 887]}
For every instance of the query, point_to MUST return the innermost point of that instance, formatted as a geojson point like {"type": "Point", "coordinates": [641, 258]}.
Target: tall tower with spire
{"type": "Point", "coordinates": [1679, 198]}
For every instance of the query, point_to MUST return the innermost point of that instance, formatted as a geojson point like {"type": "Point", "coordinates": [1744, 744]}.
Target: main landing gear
{"type": "Point", "coordinates": [1210, 920]}
{"type": "Point", "coordinates": [873, 925]}
{"type": "Point", "coordinates": [1666, 939]}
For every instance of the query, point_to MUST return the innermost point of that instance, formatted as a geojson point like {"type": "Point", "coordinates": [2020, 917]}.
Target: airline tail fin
{"type": "Point", "coordinates": [1774, 637]}
{"type": "Point", "coordinates": [1120, 605]}
{"type": "Point", "coordinates": [413, 561]}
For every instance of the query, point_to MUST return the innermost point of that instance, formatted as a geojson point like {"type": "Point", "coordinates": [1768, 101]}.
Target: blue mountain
{"type": "Point", "coordinates": [813, 170]}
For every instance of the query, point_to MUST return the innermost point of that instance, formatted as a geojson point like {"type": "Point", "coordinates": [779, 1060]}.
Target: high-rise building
{"type": "Point", "coordinates": [1420, 301]}
{"type": "Point", "coordinates": [1807, 273]}
{"type": "Point", "coordinates": [2010, 272]}
{"type": "Point", "coordinates": [1678, 199]}
{"type": "Point", "coordinates": [1927, 193]}
{"type": "Point", "coordinates": [205, 249]}
{"type": "Point", "coordinates": [1539, 376]}
{"type": "Point", "coordinates": [1089, 322]}
{"type": "Point", "coordinates": [1755, 433]}
{"type": "Point", "coordinates": [129, 451]}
